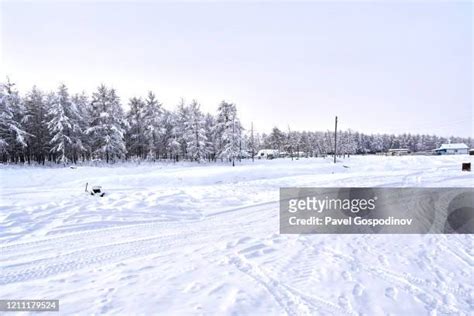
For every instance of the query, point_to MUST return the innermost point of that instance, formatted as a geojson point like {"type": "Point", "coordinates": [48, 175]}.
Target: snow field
{"type": "Point", "coordinates": [203, 239]}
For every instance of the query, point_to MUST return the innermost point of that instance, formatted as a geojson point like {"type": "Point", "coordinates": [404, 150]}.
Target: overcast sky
{"type": "Point", "coordinates": [396, 67]}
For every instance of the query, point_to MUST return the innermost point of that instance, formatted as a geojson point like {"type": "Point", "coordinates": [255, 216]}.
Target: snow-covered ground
{"type": "Point", "coordinates": [204, 239]}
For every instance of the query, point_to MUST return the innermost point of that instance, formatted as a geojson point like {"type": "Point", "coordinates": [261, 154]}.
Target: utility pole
{"type": "Point", "coordinates": [290, 146]}
{"type": "Point", "coordinates": [240, 149]}
{"type": "Point", "coordinates": [253, 144]}
{"type": "Point", "coordinates": [233, 140]}
{"type": "Point", "coordinates": [335, 140]}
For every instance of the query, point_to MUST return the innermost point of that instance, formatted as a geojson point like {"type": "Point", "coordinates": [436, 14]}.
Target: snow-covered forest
{"type": "Point", "coordinates": [65, 127]}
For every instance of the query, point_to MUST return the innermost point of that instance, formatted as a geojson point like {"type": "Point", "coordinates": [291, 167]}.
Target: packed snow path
{"type": "Point", "coordinates": [203, 239]}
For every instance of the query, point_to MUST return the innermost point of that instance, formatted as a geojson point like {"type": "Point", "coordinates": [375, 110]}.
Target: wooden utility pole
{"type": "Point", "coordinates": [252, 142]}
{"type": "Point", "coordinates": [233, 140]}
{"type": "Point", "coordinates": [289, 142]}
{"type": "Point", "coordinates": [240, 149]}
{"type": "Point", "coordinates": [335, 140]}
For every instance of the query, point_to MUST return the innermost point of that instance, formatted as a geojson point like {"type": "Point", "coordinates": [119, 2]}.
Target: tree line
{"type": "Point", "coordinates": [61, 127]}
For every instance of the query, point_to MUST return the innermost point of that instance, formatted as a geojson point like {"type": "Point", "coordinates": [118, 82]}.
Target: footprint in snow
{"type": "Point", "coordinates": [383, 260]}
{"type": "Point", "coordinates": [391, 292]}
{"type": "Point", "coordinates": [347, 276]}
{"type": "Point", "coordinates": [344, 302]}
{"type": "Point", "coordinates": [358, 290]}
{"type": "Point", "coordinates": [449, 299]}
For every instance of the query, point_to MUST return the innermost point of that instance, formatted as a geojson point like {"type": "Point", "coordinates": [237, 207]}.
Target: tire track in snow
{"type": "Point", "coordinates": [416, 287]}
{"type": "Point", "coordinates": [291, 300]}
{"type": "Point", "coordinates": [71, 240]}
{"type": "Point", "coordinates": [286, 301]}
{"type": "Point", "coordinates": [459, 254]}
{"type": "Point", "coordinates": [91, 257]}
{"type": "Point", "coordinates": [93, 251]}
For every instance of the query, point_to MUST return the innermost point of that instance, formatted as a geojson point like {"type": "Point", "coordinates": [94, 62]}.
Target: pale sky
{"type": "Point", "coordinates": [381, 67]}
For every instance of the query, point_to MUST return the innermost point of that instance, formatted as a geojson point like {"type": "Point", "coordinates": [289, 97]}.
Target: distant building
{"type": "Point", "coordinates": [398, 152]}
{"type": "Point", "coordinates": [245, 154]}
{"type": "Point", "coordinates": [452, 149]}
{"type": "Point", "coordinates": [267, 154]}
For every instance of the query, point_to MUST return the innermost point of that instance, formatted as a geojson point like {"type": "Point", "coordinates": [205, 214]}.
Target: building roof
{"type": "Point", "coordinates": [454, 146]}
{"type": "Point", "coordinates": [268, 151]}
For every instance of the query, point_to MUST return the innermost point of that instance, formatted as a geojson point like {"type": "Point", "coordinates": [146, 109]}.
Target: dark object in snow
{"type": "Point", "coordinates": [345, 166]}
{"type": "Point", "coordinates": [96, 190]}
{"type": "Point", "coordinates": [466, 166]}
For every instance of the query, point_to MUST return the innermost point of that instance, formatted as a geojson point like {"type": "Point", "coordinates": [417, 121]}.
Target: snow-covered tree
{"type": "Point", "coordinates": [63, 126]}
{"type": "Point", "coordinates": [136, 141]}
{"type": "Point", "coordinates": [35, 124]}
{"type": "Point", "coordinates": [12, 134]}
{"type": "Point", "coordinates": [377, 144]}
{"type": "Point", "coordinates": [169, 138]}
{"type": "Point", "coordinates": [152, 121]}
{"type": "Point", "coordinates": [209, 126]}
{"type": "Point", "coordinates": [276, 139]}
{"type": "Point", "coordinates": [345, 143]}
{"type": "Point", "coordinates": [82, 105]}
{"type": "Point", "coordinates": [228, 131]}
{"type": "Point", "coordinates": [107, 125]}
{"type": "Point", "coordinates": [180, 119]}
{"type": "Point", "coordinates": [289, 144]}
{"type": "Point", "coordinates": [194, 133]}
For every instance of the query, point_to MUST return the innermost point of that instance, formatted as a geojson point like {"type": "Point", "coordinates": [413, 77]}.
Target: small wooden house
{"type": "Point", "coordinates": [452, 149]}
{"type": "Point", "coordinates": [398, 151]}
